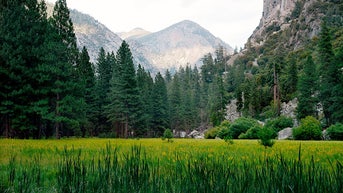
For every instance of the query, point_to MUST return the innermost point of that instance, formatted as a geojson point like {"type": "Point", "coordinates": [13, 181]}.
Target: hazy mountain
{"type": "Point", "coordinates": [133, 34]}
{"type": "Point", "coordinates": [93, 34]}
{"type": "Point", "coordinates": [178, 45]}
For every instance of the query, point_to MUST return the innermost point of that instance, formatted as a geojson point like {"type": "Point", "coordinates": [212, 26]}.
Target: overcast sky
{"type": "Point", "coordinates": [231, 20]}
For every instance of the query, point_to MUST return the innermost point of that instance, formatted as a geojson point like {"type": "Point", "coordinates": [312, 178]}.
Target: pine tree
{"type": "Point", "coordinates": [105, 63]}
{"type": "Point", "coordinates": [64, 26]}
{"type": "Point", "coordinates": [329, 74]}
{"type": "Point", "coordinates": [289, 78]}
{"type": "Point", "coordinates": [87, 76]}
{"type": "Point", "coordinates": [217, 101]}
{"type": "Point", "coordinates": [20, 57]}
{"type": "Point", "coordinates": [68, 102]}
{"type": "Point", "coordinates": [160, 120]}
{"type": "Point", "coordinates": [145, 85]}
{"type": "Point", "coordinates": [307, 89]}
{"type": "Point", "coordinates": [175, 103]}
{"type": "Point", "coordinates": [124, 96]}
{"type": "Point", "coordinates": [338, 89]}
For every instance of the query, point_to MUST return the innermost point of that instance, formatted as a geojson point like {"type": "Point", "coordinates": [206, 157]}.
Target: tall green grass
{"type": "Point", "coordinates": [112, 170]}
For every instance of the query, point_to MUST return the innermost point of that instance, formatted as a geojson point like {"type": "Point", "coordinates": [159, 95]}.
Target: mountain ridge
{"type": "Point", "coordinates": [185, 40]}
{"type": "Point", "coordinates": [133, 34]}
{"type": "Point", "coordinates": [180, 44]}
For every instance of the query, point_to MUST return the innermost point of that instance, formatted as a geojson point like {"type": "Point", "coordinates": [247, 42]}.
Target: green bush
{"type": "Point", "coordinates": [212, 133]}
{"type": "Point", "coordinates": [241, 125]}
{"type": "Point", "coordinates": [224, 133]}
{"type": "Point", "coordinates": [168, 134]}
{"type": "Point", "coordinates": [266, 136]}
{"type": "Point", "coordinates": [309, 129]}
{"type": "Point", "coordinates": [335, 132]}
{"type": "Point", "coordinates": [279, 123]}
{"type": "Point", "coordinates": [107, 135]}
{"type": "Point", "coordinates": [252, 133]}
{"type": "Point", "coordinates": [223, 130]}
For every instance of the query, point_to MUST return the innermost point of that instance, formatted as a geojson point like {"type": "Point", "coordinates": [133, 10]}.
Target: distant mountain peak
{"type": "Point", "coordinates": [133, 34]}
{"type": "Point", "coordinates": [181, 44]}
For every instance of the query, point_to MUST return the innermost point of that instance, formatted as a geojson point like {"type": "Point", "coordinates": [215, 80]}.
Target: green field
{"type": "Point", "coordinates": [153, 165]}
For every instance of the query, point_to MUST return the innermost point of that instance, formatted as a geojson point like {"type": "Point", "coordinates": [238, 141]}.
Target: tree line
{"type": "Point", "coordinates": [51, 89]}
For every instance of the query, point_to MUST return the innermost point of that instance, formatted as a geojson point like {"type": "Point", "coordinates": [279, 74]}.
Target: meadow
{"type": "Point", "coordinates": [185, 165]}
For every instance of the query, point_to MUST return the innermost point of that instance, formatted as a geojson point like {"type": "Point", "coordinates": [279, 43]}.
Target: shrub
{"type": "Point", "coordinates": [168, 134]}
{"type": "Point", "coordinates": [212, 133]}
{"type": "Point", "coordinates": [252, 133]}
{"type": "Point", "coordinates": [220, 131]}
{"type": "Point", "coordinates": [309, 129]}
{"type": "Point", "coordinates": [228, 140]}
{"type": "Point", "coordinates": [241, 125]}
{"type": "Point", "coordinates": [335, 132]}
{"type": "Point", "coordinates": [279, 123]}
{"type": "Point", "coordinates": [266, 136]}
{"type": "Point", "coordinates": [107, 135]}
{"type": "Point", "coordinates": [224, 133]}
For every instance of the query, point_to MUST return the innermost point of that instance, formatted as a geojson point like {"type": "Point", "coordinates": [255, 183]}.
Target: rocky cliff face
{"type": "Point", "coordinates": [302, 19]}
{"type": "Point", "coordinates": [274, 13]}
{"type": "Point", "coordinates": [93, 35]}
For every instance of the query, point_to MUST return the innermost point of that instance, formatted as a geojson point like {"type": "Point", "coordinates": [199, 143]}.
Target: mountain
{"type": "Point", "coordinates": [93, 35]}
{"type": "Point", "coordinates": [178, 45]}
{"type": "Point", "coordinates": [298, 20]}
{"type": "Point", "coordinates": [133, 34]}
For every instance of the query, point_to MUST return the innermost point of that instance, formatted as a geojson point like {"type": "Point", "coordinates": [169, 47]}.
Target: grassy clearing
{"type": "Point", "coordinates": [152, 165]}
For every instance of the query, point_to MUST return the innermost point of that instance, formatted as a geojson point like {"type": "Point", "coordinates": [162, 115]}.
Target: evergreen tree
{"type": "Point", "coordinates": [87, 76]}
{"type": "Point", "coordinates": [20, 59]}
{"type": "Point", "coordinates": [186, 98]}
{"type": "Point", "coordinates": [289, 78]}
{"type": "Point", "coordinates": [175, 103]}
{"type": "Point", "coordinates": [217, 101]}
{"type": "Point", "coordinates": [196, 97]}
{"type": "Point", "coordinates": [64, 26]}
{"type": "Point", "coordinates": [68, 103]}
{"type": "Point", "coordinates": [330, 73]}
{"type": "Point", "coordinates": [338, 89]}
{"type": "Point", "coordinates": [307, 89]}
{"type": "Point", "coordinates": [105, 64]}
{"type": "Point", "coordinates": [124, 96]}
{"type": "Point", "coordinates": [145, 85]}
{"type": "Point", "coordinates": [160, 105]}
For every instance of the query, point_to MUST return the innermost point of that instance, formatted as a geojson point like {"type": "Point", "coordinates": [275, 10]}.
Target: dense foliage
{"type": "Point", "coordinates": [279, 123]}
{"type": "Point", "coordinates": [335, 132]}
{"type": "Point", "coordinates": [309, 129]}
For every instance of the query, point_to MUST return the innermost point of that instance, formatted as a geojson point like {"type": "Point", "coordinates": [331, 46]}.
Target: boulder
{"type": "Point", "coordinates": [196, 135]}
{"type": "Point", "coordinates": [285, 133]}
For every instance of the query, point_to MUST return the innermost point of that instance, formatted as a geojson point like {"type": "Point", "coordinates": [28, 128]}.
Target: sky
{"type": "Point", "coordinates": [231, 20]}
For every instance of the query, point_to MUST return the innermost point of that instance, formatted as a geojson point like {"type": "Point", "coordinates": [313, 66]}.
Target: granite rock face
{"type": "Point", "coordinates": [285, 133]}
{"type": "Point", "coordinates": [280, 15]}
{"type": "Point", "coordinates": [231, 111]}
